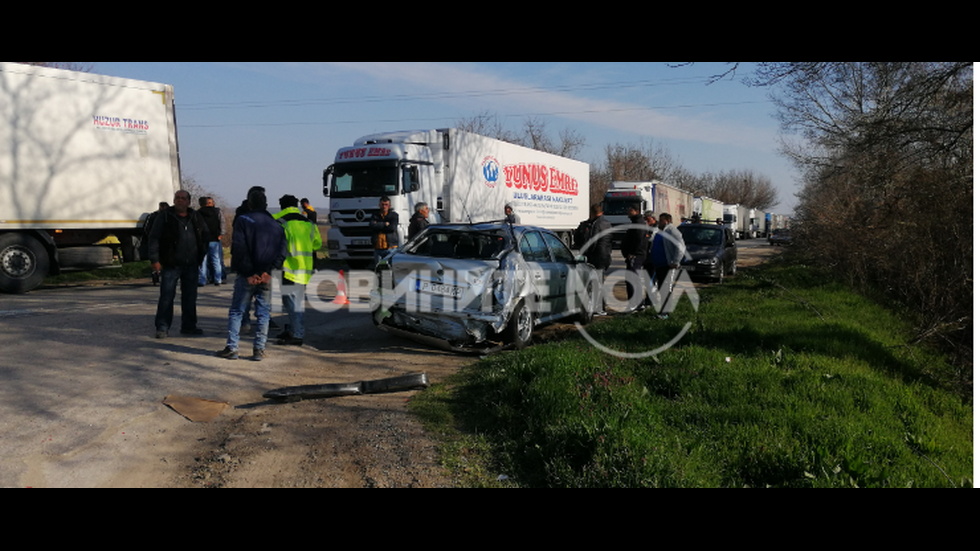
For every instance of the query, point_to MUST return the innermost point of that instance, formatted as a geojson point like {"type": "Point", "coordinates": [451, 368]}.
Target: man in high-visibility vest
{"type": "Point", "coordinates": [304, 241]}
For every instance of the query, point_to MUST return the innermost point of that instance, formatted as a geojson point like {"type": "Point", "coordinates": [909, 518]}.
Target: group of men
{"type": "Point", "coordinates": [655, 254]}
{"type": "Point", "coordinates": [181, 239]}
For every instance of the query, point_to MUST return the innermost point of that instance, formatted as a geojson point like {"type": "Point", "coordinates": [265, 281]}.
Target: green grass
{"type": "Point", "coordinates": [785, 380]}
{"type": "Point", "coordinates": [129, 270]}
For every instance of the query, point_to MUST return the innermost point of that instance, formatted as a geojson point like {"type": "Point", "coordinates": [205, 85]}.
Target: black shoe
{"type": "Point", "coordinates": [192, 332]}
{"type": "Point", "coordinates": [228, 354]}
{"type": "Point", "coordinates": [258, 355]}
{"type": "Point", "coordinates": [161, 334]}
{"type": "Point", "coordinates": [290, 341]}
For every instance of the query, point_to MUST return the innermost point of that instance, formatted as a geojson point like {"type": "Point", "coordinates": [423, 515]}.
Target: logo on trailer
{"type": "Point", "coordinates": [491, 172]}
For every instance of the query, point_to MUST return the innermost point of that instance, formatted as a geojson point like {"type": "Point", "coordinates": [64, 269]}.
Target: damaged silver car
{"type": "Point", "coordinates": [483, 286]}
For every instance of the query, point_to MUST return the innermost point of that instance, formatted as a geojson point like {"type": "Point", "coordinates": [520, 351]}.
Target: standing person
{"type": "Point", "coordinates": [215, 259]}
{"type": "Point", "coordinates": [648, 265]}
{"type": "Point", "coordinates": [245, 209]}
{"type": "Point", "coordinates": [308, 210]}
{"type": "Point", "coordinates": [636, 247]}
{"type": "Point", "coordinates": [599, 254]}
{"type": "Point", "coordinates": [145, 242]}
{"type": "Point", "coordinates": [419, 221]}
{"type": "Point", "coordinates": [304, 240]}
{"type": "Point", "coordinates": [178, 244]}
{"type": "Point", "coordinates": [384, 228]}
{"type": "Point", "coordinates": [258, 249]}
{"type": "Point", "coordinates": [667, 253]}
{"type": "Point", "coordinates": [511, 217]}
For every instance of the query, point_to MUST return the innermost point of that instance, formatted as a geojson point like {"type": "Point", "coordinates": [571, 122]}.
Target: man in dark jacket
{"type": "Point", "coordinates": [596, 228]}
{"type": "Point", "coordinates": [384, 230]}
{"type": "Point", "coordinates": [258, 249]}
{"type": "Point", "coordinates": [636, 247]}
{"type": "Point", "coordinates": [419, 221]}
{"type": "Point", "coordinates": [178, 243]}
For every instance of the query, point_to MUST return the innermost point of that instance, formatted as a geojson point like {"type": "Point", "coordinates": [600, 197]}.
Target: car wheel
{"type": "Point", "coordinates": [588, 310]}
{"type": "Point", "coordinates": [521, 326]}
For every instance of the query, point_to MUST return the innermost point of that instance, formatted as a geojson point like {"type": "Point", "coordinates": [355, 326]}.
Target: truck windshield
{"type": "Point", "coordinates": [364, 180]}
{"type": "Point", "coordinates": [619, 208]}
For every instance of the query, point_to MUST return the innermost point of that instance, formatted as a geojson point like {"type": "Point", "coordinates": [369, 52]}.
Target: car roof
{"type": "Point", "coordinates": [702, 226]}
{"type": "Point", "coordinates": [486, 226]}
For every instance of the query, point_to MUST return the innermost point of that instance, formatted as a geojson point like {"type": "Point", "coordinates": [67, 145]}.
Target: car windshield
{"type": "Point", "coordinates": [460, 245]}
{"type": "Point", "coordinates": [702, 236]}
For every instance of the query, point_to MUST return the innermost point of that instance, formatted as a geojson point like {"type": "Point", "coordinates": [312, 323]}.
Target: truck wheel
{"type": "Point", "coordinates": [521, 326]}
{"type": "Point", "coordinates": [85, 257]}
{"type": "Point", "coordinates": [24, 263]}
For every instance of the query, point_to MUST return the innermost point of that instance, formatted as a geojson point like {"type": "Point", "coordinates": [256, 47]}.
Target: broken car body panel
{"type": "Point", "coordinates": [462, 283]}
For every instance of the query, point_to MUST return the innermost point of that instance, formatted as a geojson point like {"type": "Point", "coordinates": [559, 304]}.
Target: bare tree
{"type": "Point", "coordinates": [642, 162]}
{"type": "Point", "coordinates": [742, 187]}
{"type": "Point", "coordinates": [534, 133]}
{"type": "Point", "coordinates": [197, 190]}
{"type": "Point", "coordinates": [888, 167]}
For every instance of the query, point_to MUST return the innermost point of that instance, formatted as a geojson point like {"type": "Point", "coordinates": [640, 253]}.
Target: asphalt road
{"type": "Point", "coordinates": [82, 379]}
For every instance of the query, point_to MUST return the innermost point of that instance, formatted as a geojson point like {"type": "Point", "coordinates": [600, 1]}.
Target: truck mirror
{"type": "Point", "coordinates": [410, 179]}
{"type": "Point", "coordinates": [326, 181]}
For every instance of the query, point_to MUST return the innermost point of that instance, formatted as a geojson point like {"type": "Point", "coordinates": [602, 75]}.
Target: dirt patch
{"type": "Point", "coordinates": [351, 442]}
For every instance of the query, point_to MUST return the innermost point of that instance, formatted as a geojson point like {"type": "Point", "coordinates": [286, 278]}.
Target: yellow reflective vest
{"type": "Point", "coordinates": [304, 241]}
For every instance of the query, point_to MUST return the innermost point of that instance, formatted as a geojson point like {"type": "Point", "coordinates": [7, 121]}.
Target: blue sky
{"type": "Point", "coordinates": [278, 124]}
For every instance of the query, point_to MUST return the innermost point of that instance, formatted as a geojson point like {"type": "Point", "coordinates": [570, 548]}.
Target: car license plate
{"type": "Point", "coordinates": [362, 242]}
{"type": "Point", "coordinates": [439, 289]}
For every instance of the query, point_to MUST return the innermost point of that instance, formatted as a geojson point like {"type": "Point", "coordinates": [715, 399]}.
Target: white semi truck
{"type": "Point", "coordinates": [83, 158]}
{"type": "Point", "coordinates": [747, 223]}
{"type": "Point", "coordinates": [645, 196]}
{"type": "Point", "coordinates": [463, 177]}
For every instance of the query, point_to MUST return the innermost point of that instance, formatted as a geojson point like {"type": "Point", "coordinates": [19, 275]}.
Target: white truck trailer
{"type": "Point", "coordinates": [463, 177]}
{"type": "Point", "coordinates": [83, 157]}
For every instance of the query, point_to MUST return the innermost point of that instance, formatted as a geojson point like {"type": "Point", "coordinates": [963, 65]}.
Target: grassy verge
{"type": "Point", "coordinates": [130, 270]}
{"type": "Point", "coordinates": [785, 380]}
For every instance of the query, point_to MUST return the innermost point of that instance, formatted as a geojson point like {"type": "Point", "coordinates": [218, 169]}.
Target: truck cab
{"type": "Point", "coordinates": [373, 168]}
{"type": "Point", "coordinates": [620, 197]}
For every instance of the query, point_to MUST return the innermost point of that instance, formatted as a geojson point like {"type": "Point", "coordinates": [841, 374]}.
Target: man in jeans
{"type": "Point", "coordinates": [258, 249]}
{"type": "Point", "coordinates": [216, 228]}
{"type": "Point", "coordinates": [178, 243]}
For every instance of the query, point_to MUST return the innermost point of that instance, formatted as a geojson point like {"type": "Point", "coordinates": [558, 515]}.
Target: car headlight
{"type": "Point", "coordinates": [708, 262]}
